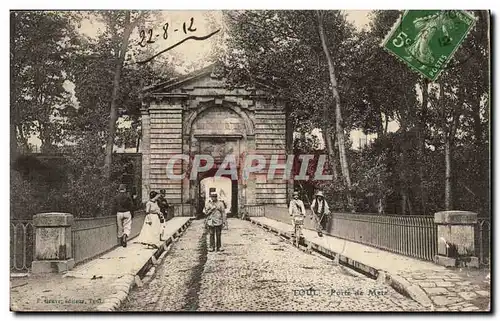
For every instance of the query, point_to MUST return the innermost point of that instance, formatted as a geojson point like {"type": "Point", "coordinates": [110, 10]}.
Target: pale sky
{"type": "Point", "coordinates": [186, 53]}
{"type": "Point", "coordinates": [191, 50]}
{"type": "Point", "coordinates": [358, 17]}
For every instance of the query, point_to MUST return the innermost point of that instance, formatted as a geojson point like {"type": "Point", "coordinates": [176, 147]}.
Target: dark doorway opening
{"type": "Point", "coordinates": [225, 187]}
{"type": "Point", "coordinates": [234, 199]}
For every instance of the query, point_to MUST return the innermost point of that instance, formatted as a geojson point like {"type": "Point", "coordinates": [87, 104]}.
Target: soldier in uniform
{"type": "Point", "coordinates": [214, 210]}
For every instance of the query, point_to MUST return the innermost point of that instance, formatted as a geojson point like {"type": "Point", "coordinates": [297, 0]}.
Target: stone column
{"type": "Point", "coordinates": [456, 238]}
{"type": "Point", "coordinates": [289, 149]}
{"type": "Point", "coordinates": [146, 145]}
{"type": "Point", "coordinates": [251, 183]}
{"type": "Point", "coordinates": [53, 252]}
{"type": "Point", "coordinates": [189, 187]}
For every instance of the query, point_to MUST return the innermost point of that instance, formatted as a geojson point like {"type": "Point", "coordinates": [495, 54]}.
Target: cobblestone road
{"type": "Point", "coordinates": [258, 271]}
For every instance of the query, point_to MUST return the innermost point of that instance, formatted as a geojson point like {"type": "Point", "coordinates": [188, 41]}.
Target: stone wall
{"type": "Point", "coordinates": [94, 236]}
{"type": "Point", "coordinates": [270, 133]}
{"type": "Point", "coordinates": [165, 141]}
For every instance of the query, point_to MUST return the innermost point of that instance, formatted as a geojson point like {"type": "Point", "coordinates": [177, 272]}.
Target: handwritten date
{"type": "Point", "coordinates": [148, 38]}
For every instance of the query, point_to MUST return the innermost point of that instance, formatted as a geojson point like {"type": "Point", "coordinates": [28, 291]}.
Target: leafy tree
{"type": "Point", "coordinates": [387, 92]}
{"type": "Point", "coordinates": [62, 54]}
{"type": "Point", "coordinates": [41, 44]}
{"type": "Point", "coordinates": [115, 21]}
{"type": "Point", "coordinates": [285, 48]}
{"type": "Point", "coordinates": [434, 119]}
{"type": "Point", "coordinates": [94, 73]}
{"type": "Point", "coordinates": [456, 100]}
{"type": "Point", "coordinates": [109, 82]}
{"type": "Point", "coordinates": [339, 130]}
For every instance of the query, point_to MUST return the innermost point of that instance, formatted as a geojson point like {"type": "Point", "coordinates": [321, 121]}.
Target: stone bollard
{"type": "Point", "coordinates": [53, 252]}
{"type": "Point", "coordinates": [456, 238]}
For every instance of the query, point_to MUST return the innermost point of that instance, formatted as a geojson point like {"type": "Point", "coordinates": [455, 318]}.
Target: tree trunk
{"type": "Point", "coordinates": [329, 143]}
{"type": "Point", "coordinates": [113, 113]}
{"type": "Point", "coordinates": [406, 120]}
{"type": "Point", "coordinates": [46, 136]}
{"type": "Point", "coordinates": [404, 199]}
{"type": "Point", "coordinates": [386, 129]}
{"type": "Point", "coordinates": [21, 139]}
{"type": "Point", "coordinates": [448, 193]}
{"type": "Point", "coordinates": [13, 140]}
{"type": "Point", "coordinates": [421, 145]}
{"type": "Point", "coordinates": [13, 108]}
{"type": "Point", "coordinates": [478, 127]}
{"type": "Point", "coordinates": [448, 154]}
{"type": "Point", "coordinates": [403, 174]}
{"type": "Point", "coordinates": [380, 126]}
{"type": "Point", "coordinates": [333, 144]}
{"type": "Point", "coordinates": [344, 165]}
{"type": "Point", "coordinates": [138, 144]}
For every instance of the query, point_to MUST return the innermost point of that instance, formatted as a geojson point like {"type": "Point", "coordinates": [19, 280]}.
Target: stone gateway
{"type": "Point", "coordinates": [200, 114]}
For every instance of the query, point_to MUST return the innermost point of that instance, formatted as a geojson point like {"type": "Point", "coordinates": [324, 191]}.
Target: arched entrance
{"type": "Point", "coordinates": [217, 131]}
{"type": "Point", "coordinates": [200, 114]}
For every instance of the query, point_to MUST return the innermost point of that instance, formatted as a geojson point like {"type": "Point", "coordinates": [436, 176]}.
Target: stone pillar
{"type": "Point", "coordinates": [250, 185]}
{"type": "Point", "coordinates": [189, 187]}
{"type": "Point", "coordinates": [146, 145]}
{"type": "Point", "coordinates": [165, 134]}
{"type": "Point", "coordinates": [289, 149]}
{"type": "Point", "coordinates": [456, 238]}
{"type": "Point", "coordinates": [53, 252]}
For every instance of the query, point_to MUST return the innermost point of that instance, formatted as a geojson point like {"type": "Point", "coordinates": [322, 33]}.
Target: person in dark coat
{"type": "Point", "coordinates": [320, 211]}
{"type": "Point", "coordinates": [123, 206]}
{"type": "Point", "coordinates": [163, 204]}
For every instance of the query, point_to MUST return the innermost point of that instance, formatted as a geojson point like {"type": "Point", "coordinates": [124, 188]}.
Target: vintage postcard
{"type": "Point", "coordinates": [250, 161]}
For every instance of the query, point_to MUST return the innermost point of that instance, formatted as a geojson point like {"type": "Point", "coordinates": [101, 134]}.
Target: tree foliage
{"type": "Point", "coordinates": [41, 46]}
{"type": "Point", "coordinates": [404, 171]}
{"type": "Point", "coordinates": [285, 48]}
{"type": "Point", "coordinates": [89, 63]}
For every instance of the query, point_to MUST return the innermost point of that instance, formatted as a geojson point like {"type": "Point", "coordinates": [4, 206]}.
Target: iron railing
{"type": "Point", "coordinates": [482, 235]}
{"type": "Point", "coordinates": [414, 236]}
{"type": "Point", "coordinates": [255, 210]}
{"type": "Point", "coordinates": [22, 244]}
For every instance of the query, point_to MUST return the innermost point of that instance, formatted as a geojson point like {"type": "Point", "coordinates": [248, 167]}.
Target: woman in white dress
{"type": "Point", "coordinates": [152, 229]}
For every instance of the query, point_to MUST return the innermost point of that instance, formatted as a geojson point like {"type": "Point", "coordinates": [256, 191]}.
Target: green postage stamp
{"type": "Point", "coordinates": [427, 39]}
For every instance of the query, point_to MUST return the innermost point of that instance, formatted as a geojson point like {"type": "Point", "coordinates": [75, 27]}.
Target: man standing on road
{"type": "Point", "coordinates": [296, 208]}
{"type": "Point", "coordinates": [163, 204]}
{"type": "Point", "coordinates": [123, 207]}
{"type": "Point", "coordinates": [321, 211]}
{"type": "Point", "coordinates": [214, 211]}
